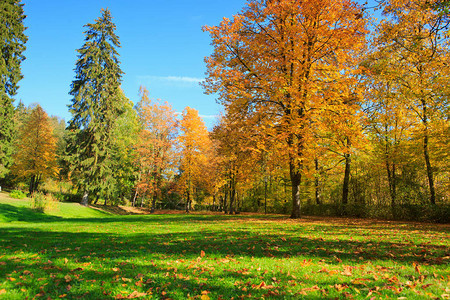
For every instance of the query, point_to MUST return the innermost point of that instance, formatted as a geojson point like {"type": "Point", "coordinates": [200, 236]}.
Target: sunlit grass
{"type": "Point", "coordinates": [77, 252]}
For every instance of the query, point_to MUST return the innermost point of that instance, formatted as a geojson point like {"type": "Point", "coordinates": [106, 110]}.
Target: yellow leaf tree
{"type": "Point", "coordinates": [195, 144]}
{"type": "Point", "coordinates": [284, 64]}
{"type": "Point", "coordinates": [415, 38]}
{"type": "Point", "coordinates": [156, 145]}
{"type": "Point", "coordinates": [36, 150]}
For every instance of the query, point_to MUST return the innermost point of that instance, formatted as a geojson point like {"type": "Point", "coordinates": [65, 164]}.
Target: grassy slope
{"type": "Point", "coordinates": [77, 252]}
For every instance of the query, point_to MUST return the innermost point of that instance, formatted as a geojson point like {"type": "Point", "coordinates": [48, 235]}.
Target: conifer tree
{"type": "Point", "coordinates": [97, 102]}
{"type": "Point", "coordinates": [12, 43]}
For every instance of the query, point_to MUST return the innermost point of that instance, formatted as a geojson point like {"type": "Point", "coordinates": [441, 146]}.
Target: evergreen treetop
{"type": "Point", "coordinates": [12, 44]}
{"type": "Point", "coordinates": [97, 102]}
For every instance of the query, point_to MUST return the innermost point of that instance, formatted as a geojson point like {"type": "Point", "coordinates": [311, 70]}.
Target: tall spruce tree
{"type": "Point", "coordinates": [97, 102]}
{"type": "Point", "coordinates": [12, 43]}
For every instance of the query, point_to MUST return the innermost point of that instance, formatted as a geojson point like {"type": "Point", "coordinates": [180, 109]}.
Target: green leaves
{"type": "Point", "coordinates": [12, 45]}
{"type": "Point", "coordinates": [97, 103]}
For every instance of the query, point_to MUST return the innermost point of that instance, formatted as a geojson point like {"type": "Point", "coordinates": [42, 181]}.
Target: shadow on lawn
{"type": "Point", "coordinates": [121, 278]}
{"type": "Point", "coordinates": [217, 243]}
{"type": "Point", "coordinates": [14, 213]}
{"type": "Point", "coordinates": [130, 259]}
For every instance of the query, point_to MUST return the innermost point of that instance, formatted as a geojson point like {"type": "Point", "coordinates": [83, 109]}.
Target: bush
{"type": "Point", "coordinates": [67, 197]}
{"type": "Point", "coordinates": [17, 194]}
{"type": "Point", "coordinates": [404, 212]}
{"type": "Point", "coordinates": [42, 203]}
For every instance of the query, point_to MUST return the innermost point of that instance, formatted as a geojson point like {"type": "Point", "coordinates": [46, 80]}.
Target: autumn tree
{"type": "Point", "coordinates": [237, 157]}
{"type": "Point", "coordinates": [157, 138]}
{"type": "Point", "coordinates": [285, 63]}
{"type": "Point", "coordinates": [97, 102]}
{"type": "Point", "coordinates": [415, 37]}
{"type": "Point", "coordinates": [12, 45]}
{"type": "Point", "coordinates": [35, 159]}
{"type": "Point", "coordinates": [194, 143]}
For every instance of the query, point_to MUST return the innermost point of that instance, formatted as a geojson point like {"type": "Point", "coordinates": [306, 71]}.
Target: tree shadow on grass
{"type": "Point", "coordinates": [10, 213]}
{"type": "Point", "coordinates": [219, 243]}
{"type": "Point", "coordinates": [101, 265]}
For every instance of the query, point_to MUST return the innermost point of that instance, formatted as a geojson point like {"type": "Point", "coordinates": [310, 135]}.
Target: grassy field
{"type": "Point", "coordinates": [75, 252]}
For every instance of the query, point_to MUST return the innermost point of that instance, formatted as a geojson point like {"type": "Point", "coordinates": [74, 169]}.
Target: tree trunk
{"type": "Point", "coordinates": [225, 208]}
{"type": "Point", "coordinates": [232, 195]}
{"type": "Point", "coordinates": [133, 204]}
{"type": "Point", "coordinates": [345, 187]}
{"type": "Point", "coordinates": [238, 204]}
{"type": "Point", "coordinates": [31, 187]}
{"type": "Point", "coordinates": [85, 199]}
{"type": "Point", "coordinates": [265, 196]}
{"type": "Point", "coordinates": [317, 181]}
{"type": "Point", "coordinates": [152, 210]}
{"type": "Point", "coordinates": [296, 178]}
{"type": "Point", "coordinates": [188, 199]}
{"type": "Point", "coordinates": [392, 183]}
{"type": "Point", "coordinates": [429, 169]}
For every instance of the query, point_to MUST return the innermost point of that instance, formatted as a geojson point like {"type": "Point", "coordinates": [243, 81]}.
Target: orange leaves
{"type": "Point", "coordinates": [36, 155]}
{"type": "Point", "coordinates": [195, 144]}
{"type": "Point", "coordinates": [347, 271]}
{"type": "Point", "coordinates": [285, 71]}
{"type": "Point", "coordinates": [416, 268]}
{"type": "Point", "coordinates": [156, 142]}
{"type": "Point", "coordinates": [133, 295]}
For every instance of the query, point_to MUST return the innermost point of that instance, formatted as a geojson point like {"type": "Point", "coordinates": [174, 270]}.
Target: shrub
{"type": "Point", "coordinates": [17, 194]}
{"type": "Point", "coordinates": [404, 212]}
{"type": "Point", "coordinates": [42, 203]}
{"type": "Point", "coordinates": [67, 197]}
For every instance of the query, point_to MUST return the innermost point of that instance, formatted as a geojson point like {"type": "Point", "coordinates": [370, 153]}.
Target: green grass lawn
{"type": "Point", "coordinates": [75, 252]}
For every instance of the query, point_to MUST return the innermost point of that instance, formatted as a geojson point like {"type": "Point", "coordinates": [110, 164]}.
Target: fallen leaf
{"type": "Point", "coordinates": [416, 267]}
{"type": "Point", "coordinates": [136, 294]}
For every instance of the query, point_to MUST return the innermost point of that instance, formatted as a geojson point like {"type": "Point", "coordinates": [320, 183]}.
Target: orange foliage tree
{"type": "Point", "coordinates": [283, 64]}
{"type": "Point", "coordinates": [156, 145]}
{"type": "Point", "coordinates": [36, 150]}
{"type": "Point", "coordinates": [195, 145]}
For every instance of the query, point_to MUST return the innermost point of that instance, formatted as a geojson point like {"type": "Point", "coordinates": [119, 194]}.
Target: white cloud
{"type": "Point", "coordinates": [176, 79]}
{"type": "Point", "coordinates": [208, 116]}
{"type": "Point", "coordinates": [200, 115]}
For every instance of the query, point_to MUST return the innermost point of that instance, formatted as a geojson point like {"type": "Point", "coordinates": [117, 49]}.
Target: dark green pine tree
{"type": "Point", "coordinates": [12, 43]}
{"type": "Point", "coordinates": [97, 102]}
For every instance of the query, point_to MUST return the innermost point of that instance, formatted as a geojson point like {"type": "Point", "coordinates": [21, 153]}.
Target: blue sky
{"type": "Point", "coordinates": [163, 48]}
